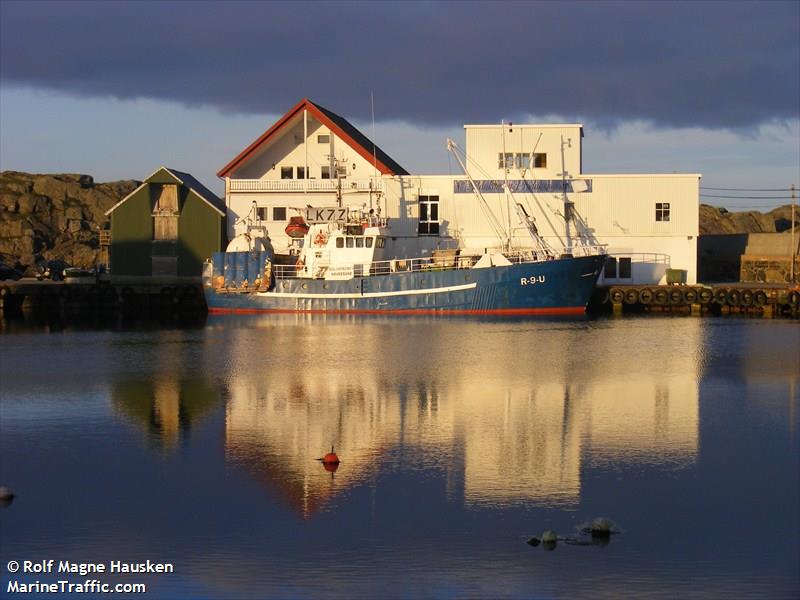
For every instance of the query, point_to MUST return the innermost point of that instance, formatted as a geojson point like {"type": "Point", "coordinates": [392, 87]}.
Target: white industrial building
{"type": "Point", "coordinates": [312, 157]}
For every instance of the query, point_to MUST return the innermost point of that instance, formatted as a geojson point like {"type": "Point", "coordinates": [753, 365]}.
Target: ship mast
{"type": "Point", "coordinates": [540, 247]}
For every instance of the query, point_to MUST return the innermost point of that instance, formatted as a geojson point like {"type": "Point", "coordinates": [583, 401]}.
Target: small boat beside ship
{"type": "Point", "coordinates": [353, 266]}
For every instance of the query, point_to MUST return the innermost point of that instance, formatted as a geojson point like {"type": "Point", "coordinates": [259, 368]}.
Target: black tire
{"type": "Point", "coordinates": [631, 296]}
{"type": "Point", "coordinates": [705, 295]}
{"type": "Point", "coordinates": [733, 297]}
{"type": "Point", "coordinates": [721, 296]}
{"type": "Point", "coordinates": [794, 299]}
{"type": "Point", "coordinates": [646, 296]}
{"type": "Point", "coordinates": [661, 296]}
{"type": "Point", "coordinates": [746, 298]}
{"type": "Point", "coordinates": [676, 296]}
{"type": "Point", "coordinates": [690, 296]}
{"type": "Point", "coordinates": [616, 295]}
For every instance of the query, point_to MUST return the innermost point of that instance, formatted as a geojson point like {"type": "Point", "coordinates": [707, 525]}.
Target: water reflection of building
{"type": "Point", "coordinates": [514, 421]}
{"type": "Point", "coordinates": [166, 408]}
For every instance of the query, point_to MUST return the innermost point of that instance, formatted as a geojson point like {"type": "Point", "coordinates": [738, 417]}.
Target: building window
{"type": "Point", "coordinates": [323, 139]}
{"type": "Point", "coordinates": [287, 172]}
{"type": "Point", "coordinates": [505, 161]}
{"type": "Point", "coordinates": [428, 215]}
{"type": "Point", "coordinates": [340, 242]}
{"type": "Point", "coordinates": [301, 172]}
{"type": "Point", "coordinates": [261, 213]}
{"type": "Point", "coordinates": [618, 268]}
{"type": "Point", "coordinates": [624, 268]}
{"type": "Point", "coordinates": [662, 211]}
{"type": "Point", "coordinates": [326, 172]}
{"type": "Point", "coordinates": [521, 160]}
{"type": "Point", "coordinates": [380, 242]}
{"type": "Point", "coordinates": [369, 242]}
{"type": "Point", "coordinates": [279, 213]}
{"type": "Point", "coordinates": [610, 271]}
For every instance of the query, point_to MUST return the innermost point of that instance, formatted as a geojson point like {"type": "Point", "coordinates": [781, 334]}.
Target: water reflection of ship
{"type": "Point", "coordinates": [166, 408]}
{"type": "Point", "coordinates": [500, 436]}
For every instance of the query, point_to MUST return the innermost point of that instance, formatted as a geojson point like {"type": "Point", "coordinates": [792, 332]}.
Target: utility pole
{"type": "Point", "coordinates": [794, 247]}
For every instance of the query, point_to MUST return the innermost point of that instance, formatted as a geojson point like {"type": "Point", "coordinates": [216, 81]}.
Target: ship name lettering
{"type": "Point", "coordinates": [532, 280]}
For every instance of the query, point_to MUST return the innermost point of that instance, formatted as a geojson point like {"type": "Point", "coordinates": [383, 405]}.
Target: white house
{"type": "Point", "coordinates": [313, 158]}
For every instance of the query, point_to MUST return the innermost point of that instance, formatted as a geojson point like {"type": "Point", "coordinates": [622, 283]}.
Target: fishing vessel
{"type": "Point", "coordinates": [348, 261]}
{"type": "Point", "coordinates": [350, 266]}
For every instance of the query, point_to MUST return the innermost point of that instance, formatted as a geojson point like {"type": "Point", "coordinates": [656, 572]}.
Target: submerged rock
{"type": "Point", "coordinates": [600, 527]}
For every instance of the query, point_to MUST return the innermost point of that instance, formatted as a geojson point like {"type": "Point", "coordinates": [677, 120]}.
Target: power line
{"type": "Point", "coordinates": [747, 197]}
{"type": "Point", "coordinates": [746, 189]}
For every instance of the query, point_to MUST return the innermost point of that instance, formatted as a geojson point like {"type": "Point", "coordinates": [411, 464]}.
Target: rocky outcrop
{"type": "Point", "coordinates": [45, 217]}
{"type": "Point", "coordinates": [719, 220]}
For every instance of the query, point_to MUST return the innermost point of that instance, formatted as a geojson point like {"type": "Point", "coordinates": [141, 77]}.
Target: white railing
{"type": "Point", "coordinates": [305, 185]}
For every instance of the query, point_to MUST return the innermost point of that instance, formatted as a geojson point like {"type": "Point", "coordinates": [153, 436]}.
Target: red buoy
{"type": "Point", "coordinates": [330, 458]}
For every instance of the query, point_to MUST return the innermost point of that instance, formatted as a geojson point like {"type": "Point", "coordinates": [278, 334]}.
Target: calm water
{"type": "Point", "coordinates": [459, 440]}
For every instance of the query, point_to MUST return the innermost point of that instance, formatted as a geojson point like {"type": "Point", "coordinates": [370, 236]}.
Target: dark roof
{"type": "Point", "coordinates": [339, 125]}
{"type": "Point", "coordinates": [189, 180]}
{"type": "Point", "coordinates": [362, 140]}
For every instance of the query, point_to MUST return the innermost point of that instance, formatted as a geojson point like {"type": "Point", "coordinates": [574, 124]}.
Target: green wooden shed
{"type": "Point", "coordinates": [166, 227]}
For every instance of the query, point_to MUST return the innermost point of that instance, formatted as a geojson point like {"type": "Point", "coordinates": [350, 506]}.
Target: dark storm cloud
{"type": "Point", "coordinates": [717, 64]}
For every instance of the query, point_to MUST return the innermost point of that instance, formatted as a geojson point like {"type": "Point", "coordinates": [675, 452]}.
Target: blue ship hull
{"type": "Point", "coordinates": [561, 286]}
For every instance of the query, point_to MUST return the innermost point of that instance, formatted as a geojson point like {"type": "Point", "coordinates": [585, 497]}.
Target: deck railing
{"type": "Point", "coordinates": [305, 185]}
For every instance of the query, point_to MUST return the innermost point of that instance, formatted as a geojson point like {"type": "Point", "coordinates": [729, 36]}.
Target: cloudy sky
{"type": "Point", "coordinates": [115, 89]}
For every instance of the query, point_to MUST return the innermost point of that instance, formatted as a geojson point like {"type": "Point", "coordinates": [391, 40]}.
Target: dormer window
{"type": "Point", "coordinates": [323, 139]}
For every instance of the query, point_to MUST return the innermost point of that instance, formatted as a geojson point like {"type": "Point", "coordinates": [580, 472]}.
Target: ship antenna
{"type": "Point", "coordinates": [374, 151]}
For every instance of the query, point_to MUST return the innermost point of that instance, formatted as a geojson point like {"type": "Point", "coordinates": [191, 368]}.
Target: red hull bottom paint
{"type": "Point", "coordinates": [559, 310]}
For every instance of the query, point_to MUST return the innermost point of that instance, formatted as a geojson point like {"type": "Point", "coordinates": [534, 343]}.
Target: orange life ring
{"type": "Point", "coordinates": [320, 239]}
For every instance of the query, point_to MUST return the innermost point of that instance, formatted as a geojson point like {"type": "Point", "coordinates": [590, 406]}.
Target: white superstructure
{"type": "Point", "coordinates": [313, 158]}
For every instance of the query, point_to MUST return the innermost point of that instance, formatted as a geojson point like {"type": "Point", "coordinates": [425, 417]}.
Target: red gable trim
{"type": "Point", "coordinates": [306, 104]}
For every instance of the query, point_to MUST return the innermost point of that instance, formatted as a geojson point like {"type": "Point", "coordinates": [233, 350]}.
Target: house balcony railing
{"type": "Point", "coordinates": [305, 185]}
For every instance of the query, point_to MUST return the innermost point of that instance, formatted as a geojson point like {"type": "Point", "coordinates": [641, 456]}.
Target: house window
{"type": "Point", "coordinates": [428, 215]}
{"type": "Point", "coordinates": [662, 211]}
{"type": "Point", "coordinates": [301, 172]}
{"type": "Point", "coordinates": [287, 172]}
{"type": "Point", "coordinates": [326, 172]}
{"type": "Point", "coordinates": [261, 213]}
{"type": "Point", "coordinates": [279, 213]}
{"type": "Point", "coordinates": [323, 139]}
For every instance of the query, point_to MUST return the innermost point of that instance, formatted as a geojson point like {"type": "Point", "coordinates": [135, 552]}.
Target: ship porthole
{"type": "Point", "coordinates": [305, 286]}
